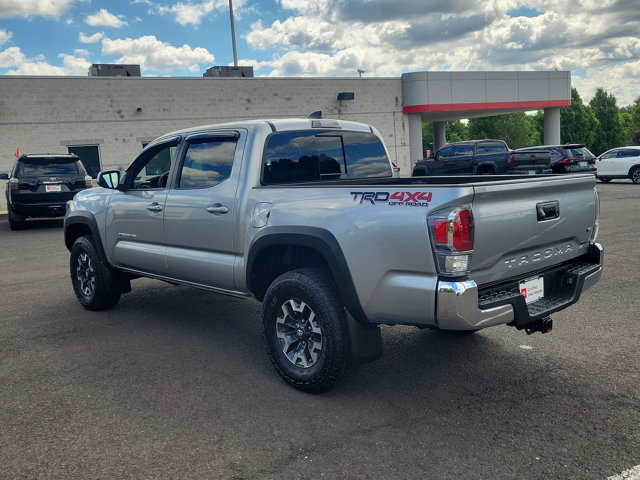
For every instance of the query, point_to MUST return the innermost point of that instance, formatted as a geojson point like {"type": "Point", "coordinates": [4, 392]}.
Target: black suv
{"type": "Point", "coordinates": [41, 185]}
{"type": "Point", "coordinates": [568, 158]}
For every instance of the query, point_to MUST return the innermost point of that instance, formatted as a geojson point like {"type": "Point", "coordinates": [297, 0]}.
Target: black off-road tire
{"type": "Point", "coordinates": [485, 171]}
{"type": "Point", "coordinates": [634, 175]}
{"type": "Point", "coordinates": [13, 223]}
{"type": "Point", "coordinates": [93, 281]}
{"type": "Point", "coordinates": [292, 339]}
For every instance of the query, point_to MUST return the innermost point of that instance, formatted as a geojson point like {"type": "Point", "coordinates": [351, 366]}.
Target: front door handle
{"type": "Point", "coordinates": [217, 208]}
{"type": "Point", "coordinates": [154, 207]}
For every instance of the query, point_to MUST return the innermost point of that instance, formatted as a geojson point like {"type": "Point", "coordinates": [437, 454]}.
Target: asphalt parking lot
{"type": "Point", "coordinates": [175, 383]}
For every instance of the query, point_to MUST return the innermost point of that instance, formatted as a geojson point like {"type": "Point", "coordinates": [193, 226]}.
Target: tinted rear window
{"type": "Point", "coordinates": [38, 167]}
{"type": "Point", "coordinates": [578, 152]}
{"type": "Point", "coordinates": [312, 156]}
{"type": "Point", "coordinates": [488, 147]}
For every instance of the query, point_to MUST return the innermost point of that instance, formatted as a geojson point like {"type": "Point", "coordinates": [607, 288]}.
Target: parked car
{"type": "Point", "coordinates": [623, 162]}
{"type": "Point", "coordinates": [306, 217]}
{"type": "Point", "coordinates": [41, 185]}
{"type": "Point", "coordinates": [569, 158]}
{"type": "Point", "coordinates": [481, 157]}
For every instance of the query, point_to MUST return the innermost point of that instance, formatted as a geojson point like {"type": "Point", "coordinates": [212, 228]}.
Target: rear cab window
{"type": "Point", "coordinates": [491, 147]}
{"type": "Point", "coordinates": [313, 156]}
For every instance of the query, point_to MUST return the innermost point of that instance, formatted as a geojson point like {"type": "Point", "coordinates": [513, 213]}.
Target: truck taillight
{"type": "Point", "coordinates": [13, 183]}
{"type": "Point", "coordinates": [87, 181]}
{"type": "Point", "coordinates": [511, 159]}
{"type": "Point", "coordinates": [451, 233]}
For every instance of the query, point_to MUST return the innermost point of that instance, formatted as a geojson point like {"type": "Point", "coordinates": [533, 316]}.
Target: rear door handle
{"type": "Point", "coordinates": [217, 208]}
{"type": "Point", "coordinates": [154, 207]}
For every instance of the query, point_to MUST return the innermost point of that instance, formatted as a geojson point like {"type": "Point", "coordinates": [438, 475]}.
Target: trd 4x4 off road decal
{"type": "Point", "coordinates": [402, 199]}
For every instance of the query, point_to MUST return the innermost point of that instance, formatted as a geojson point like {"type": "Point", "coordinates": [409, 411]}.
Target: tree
{"type": "Point", "coordinates": [578, 124]}
{"type": "Point", "coordinates": [630, 121]}
{"type": "Point", "coordinates": [608, 132]}
{"type": "Point", "coordinates": [516, 129]}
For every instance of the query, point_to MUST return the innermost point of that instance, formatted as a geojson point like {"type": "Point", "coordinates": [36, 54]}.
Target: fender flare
{"type": "Point", "coordinates": [320, 240]}
{"type": "Point", "coordinates": [87, 219]}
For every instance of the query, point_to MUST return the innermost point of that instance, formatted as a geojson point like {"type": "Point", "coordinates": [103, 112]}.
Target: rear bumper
{"type": "Point", "coordinates": [464, 306]}
{"type": "Point", "coordinates": [53, 205]}
{"type": "Point", "coordinates": [40, 210]}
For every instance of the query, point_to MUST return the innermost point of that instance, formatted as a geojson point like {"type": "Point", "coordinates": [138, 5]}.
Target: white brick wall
{"type": "Point", "coordinates": [44, 114]}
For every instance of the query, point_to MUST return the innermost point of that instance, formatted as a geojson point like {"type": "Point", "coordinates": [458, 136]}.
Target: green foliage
{"type": "Point", "coordinates": [608, 131]}
{"type": "Point", "coordinates": [578, 124]}
{"type": "Point", "coordinates": [516, 129]}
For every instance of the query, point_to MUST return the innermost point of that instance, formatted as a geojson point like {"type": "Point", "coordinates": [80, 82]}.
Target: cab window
{"type": "Point", "coordinates": [207, 162]}
{"type": "Point", "coordinates": [151, 169]}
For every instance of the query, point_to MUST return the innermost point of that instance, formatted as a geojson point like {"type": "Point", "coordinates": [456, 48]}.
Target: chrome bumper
{"type": "Point", "coordinates": [458, 308]}
{"type": "Point", "coordinates": [457, 302]}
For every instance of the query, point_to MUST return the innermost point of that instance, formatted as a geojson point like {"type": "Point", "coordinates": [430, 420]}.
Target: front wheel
{"type": "Point", "coordinates": [604, 179]}
{"type": "Point", "coordinates": [635, 175]}
{"type": "Point", "coordinates": [305, 330]}
{"type": "Point", "coordinates": [92, 280]}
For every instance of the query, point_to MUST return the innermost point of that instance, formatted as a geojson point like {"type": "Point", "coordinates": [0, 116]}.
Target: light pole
{"type": "Point", "coordinates": [233, 35]}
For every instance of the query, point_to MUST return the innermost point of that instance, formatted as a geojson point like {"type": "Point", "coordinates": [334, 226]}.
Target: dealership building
{"type": "Point", "coordinates": [107, 120]}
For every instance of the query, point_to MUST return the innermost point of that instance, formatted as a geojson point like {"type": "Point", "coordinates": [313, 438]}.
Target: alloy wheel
{"type": "Point", "coordinates": [299, 333]}
{"type": "Point", "coordinates": [85, 274]}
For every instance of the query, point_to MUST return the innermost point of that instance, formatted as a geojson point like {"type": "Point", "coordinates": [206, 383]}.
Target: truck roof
{"type": "Point", "coordinates": [276, 125]}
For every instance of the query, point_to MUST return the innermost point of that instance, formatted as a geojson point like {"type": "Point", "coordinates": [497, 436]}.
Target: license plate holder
{"type": "Point", "coordinates": [532, 289]}
{"type": "Point", "coordinates": [53, 188]}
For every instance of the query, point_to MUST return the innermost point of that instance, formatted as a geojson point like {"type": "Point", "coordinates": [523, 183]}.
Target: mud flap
{"type": "Point", "coordinates": [366, 341]}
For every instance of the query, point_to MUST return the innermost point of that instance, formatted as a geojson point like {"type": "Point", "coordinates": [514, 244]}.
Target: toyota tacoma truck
{"type": "Point", "coordinates": [306, 216]}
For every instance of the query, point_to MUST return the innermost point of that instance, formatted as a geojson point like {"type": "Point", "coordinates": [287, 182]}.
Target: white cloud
{"type": "Point", "coordinates": [597, 38]}
{"type": "Point", "coordinates": [34, 8]}
{"type": "Point", "coordinates": [4, 36]}
{"type": "Point", "coordinates": [83, 52]}
{"type": "Point", "coordinates": [95, 38]}
{"type": "Point", "coordinates": [154, 55]}
{"type": "Point", "coordinates": [13, 57]}
{"type": "Point", "coordinates": [192, 13]}
{"type": "Point", "coordinates": [104, 18]}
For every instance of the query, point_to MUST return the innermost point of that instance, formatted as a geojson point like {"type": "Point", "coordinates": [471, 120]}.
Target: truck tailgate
{"type": "Point", "coordinates": [525, 226]}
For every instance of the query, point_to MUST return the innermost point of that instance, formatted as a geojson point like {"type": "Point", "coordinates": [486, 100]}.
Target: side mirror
{"type": "Point", "coordinates": [109, 179]}
{"type": "Point", "coordinates": [4, 176]}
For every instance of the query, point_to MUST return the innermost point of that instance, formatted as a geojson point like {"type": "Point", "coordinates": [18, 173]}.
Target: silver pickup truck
{"type": "Point", "coordinates": [307, 217]}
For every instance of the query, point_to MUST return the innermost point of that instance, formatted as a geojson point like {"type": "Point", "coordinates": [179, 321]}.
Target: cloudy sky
{"type": "Point", "coordinates": [597, 40]}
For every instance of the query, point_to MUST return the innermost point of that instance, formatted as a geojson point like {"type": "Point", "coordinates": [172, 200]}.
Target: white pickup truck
{"type": "Point", "coordinates": [307, 217]}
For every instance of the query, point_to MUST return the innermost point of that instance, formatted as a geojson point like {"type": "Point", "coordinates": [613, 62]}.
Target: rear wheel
{"type": "Point", "coordinates": [604, 179]}
{"type": "Point", "coordinates": [635, 175]}
{"type": "Point", "coordinates": [305, 330]}
{"type": "Point", "coordinates": [93, 281]}
{"type": "Point", "coordinates": [14, 223]}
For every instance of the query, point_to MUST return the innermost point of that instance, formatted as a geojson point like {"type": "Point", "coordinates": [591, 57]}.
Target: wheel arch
{"type": "Point", "coordinates": [79, 225]}
{"type": "Point", "coordinates": [490, 167]}
{"type": "Point", "coordinates": [279, 249]}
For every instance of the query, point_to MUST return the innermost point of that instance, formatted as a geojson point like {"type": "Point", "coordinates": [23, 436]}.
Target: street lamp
{"type": "Point", "coordinates": [233, 35]}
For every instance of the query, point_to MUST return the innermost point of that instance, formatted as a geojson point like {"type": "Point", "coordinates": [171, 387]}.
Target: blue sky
{"type": "Point", "coordinates": [596, 39]}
